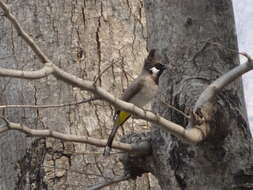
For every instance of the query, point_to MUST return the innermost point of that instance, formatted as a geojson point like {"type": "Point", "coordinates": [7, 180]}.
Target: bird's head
{"type": "Point", "coordinates": [157, 70]}
{"type": "Point", "coordinates": [153, 65]}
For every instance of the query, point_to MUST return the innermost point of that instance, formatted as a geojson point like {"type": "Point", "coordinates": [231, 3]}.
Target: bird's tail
{"type": "Point", "coordinates": [120, 119]}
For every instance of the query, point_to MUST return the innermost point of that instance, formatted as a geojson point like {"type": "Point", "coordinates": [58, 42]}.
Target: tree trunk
{"type": "Point", "coordinates": [197, 39]}
{"type": "Point", "coordinates": [83, 38]}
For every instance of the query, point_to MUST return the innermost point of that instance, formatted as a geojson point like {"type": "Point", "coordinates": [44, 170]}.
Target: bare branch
{"type": "Point", "coordinates": [41, 73]}
{"type": "Point", "coordinates": [23, 34]}
{"type": "Point", "coordinates": [209, 93]}
{"type": "Point", "coordinates": [100, 74]}
{"type": "Point", "coordinates": [107, 183]}
{"type": "Point", "coordinates": [51, 106]}
{"type": "Point", "coordinates": [174, 108]}
{"type": "Point", "coordinates": [205, 103]}
{"type": "Point", "coordinates": [138, 148]}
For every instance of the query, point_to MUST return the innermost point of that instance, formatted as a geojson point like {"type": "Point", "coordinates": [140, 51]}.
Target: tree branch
{"type": "Point", "coordinates": [43, 58]}
{"type": "Point", "coordinates": [41, 73]}
{"type": "Point", "coordinates": [51, 106]}
{"type": "Point", "coordinates": [138, 148]}
{"type": "Point", "coordinates": [213, 89]}
{"type": "Point", "coordinates": [108, 183]}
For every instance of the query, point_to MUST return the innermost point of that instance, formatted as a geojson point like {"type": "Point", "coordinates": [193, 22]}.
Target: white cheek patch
{"type": "Point", "coordinates": [154, 71]}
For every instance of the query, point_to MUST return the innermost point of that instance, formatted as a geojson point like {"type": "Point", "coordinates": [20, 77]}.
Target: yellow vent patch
{"type": "Point", "coordinates": [121, 118]}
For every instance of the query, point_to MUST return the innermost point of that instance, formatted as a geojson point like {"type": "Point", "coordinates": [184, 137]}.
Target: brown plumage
{"type": "Point", "coordinates": [140, 92]}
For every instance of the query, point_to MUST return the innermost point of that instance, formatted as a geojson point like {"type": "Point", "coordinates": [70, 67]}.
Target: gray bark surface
{"type": "Point", "coordinates": [83, 38]}
{"type": "Point", "coordinates": [187, 34]}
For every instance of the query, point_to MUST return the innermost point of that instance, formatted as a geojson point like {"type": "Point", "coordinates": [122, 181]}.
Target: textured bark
{"type": "Point", "coordinates": [187, 34]}
{"type": "Point", "coordinates": [83, 38]}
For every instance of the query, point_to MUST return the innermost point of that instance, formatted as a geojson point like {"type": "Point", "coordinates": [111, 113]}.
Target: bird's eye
{"type": "Point", "coordinates": [159, 66]}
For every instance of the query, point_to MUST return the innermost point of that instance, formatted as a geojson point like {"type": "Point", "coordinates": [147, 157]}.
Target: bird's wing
{"type": "Point", "coordinates": [132, 90]}
{"type": "Point", "coordinates": [121, 116]}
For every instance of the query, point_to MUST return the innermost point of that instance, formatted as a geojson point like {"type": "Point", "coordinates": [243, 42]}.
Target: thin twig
{"type": "Point", "coordinates": [71, 170]}
{"type": "Point", "coordinates": [175, 109]}
{"type": "Point", "coordinates": [92, 153]}
{"type": "Point", "coordinates": [23, 34]}
{"type": "Point", "coordinates": [51, 106]}
{"type": "Point", "coordinates": [107, 183]}
{"type": "Point", "coordinates": [138, 148]}
{"type": "Point", "coordinates": [232, 50]}
{"type": "Point", "coordinates": [201, 50]}
{"type": "Point", "coordinates": [101, 73]}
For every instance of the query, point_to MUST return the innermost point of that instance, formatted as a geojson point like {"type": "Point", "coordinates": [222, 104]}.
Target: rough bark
{"type": "Point", "coordinates": [83, 38]}
{"type": "Point", "coordinates": [197, 39]}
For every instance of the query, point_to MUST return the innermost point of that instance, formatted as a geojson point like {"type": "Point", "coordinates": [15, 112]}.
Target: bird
{"type": "Point", "coordinates": [140, 92]}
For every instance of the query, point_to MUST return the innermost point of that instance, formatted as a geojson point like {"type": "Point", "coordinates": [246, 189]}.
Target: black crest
{"type": "Point", "coordinates": [151, 60]}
